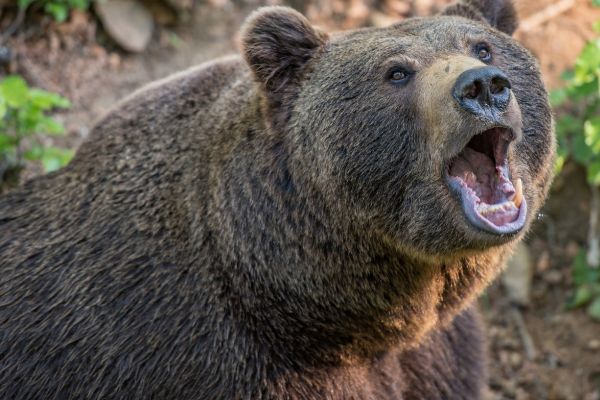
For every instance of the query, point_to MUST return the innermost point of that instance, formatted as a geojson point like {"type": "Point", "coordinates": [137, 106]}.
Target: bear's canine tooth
{"type": "Point", "coordinates": [518, 199]}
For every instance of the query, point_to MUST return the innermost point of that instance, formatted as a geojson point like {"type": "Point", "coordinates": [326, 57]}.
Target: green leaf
{"type": "Point", "coordinates": [593, 108]}
{"type": "Point", "coordinates": [50, 163]}
{"type": "Point", "coordinates": [2, 108]}
{"type": "Point", "coordinates": [55, 158]}
{"type": "Point", "coordinates": [594, 309]}
{"type": "Point", "coordinates": [25, 3]}
{"type": "Point", "coordinates": [559, 164]}
{"type": "Point", "coordinates": [583, 89]}
{"type": "Point", "coordinates": [79, 4]}
{"type": "Point", "coordinates": [7, 142]}
{"type": "Point", "coordinates": [588, 63]}
{"type": "Point", "coordinates": [175, 41]}
{"type": "Point", "coordinates": [28, 118]}
{"type": "Point", "coordinates": [35, 153]}
{"type": "Point", "coordinates": [568, 125]}
{"type": "Point", "coordinates": [591, 131]}
{"type": "Point", "coordinates": [567, 75]}
{"type": "Point", "coordinates": [14, 90]}
{"type": "Point", "coordinates": [50, 127]}
{"type": "Point", "coordinates": [596, 3]}
{"type": "Point", "coordinates": [582, 296]}
{"type": "Point", "coordinates": [558, 97]}
{"type": "Point", "coordinates": [581, 151]}
{"type": "Point", "coordinates": [47, 100]}
{"type": "Point", "coordinates": [582, 273]}
{"type": "Point", "coordinates": [593, 173]}
{"type": "Point", "coordinates": [59, 11]}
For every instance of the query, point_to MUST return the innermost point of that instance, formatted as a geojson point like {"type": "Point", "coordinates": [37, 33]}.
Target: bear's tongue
{"type": "Point", "coordinates": [486, 187]}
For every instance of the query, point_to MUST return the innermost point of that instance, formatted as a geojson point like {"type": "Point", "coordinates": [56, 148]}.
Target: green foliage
{"type": "Point", "coordinates": [578, 126]}
{"type": "Point", "coordinates": [59, 9]}
{"type": "Point", "coordinates": [23, 120]}
{"type": "Point", "coordinates": [578, 135]}
{"type": "Point", "coordinates": [587, 286]}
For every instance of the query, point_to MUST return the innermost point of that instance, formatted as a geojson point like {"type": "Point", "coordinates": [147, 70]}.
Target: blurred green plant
{"type": "Point", "coordinates": [578, 126]}
{"type": "Point", "coordinates": [23, 121]}
{"type": "Point", "coordinates": [578, 135]}
{"type": "Point", "coordinates": [587, 286]}
{"type": "Point", "coordinates": [59, 9]}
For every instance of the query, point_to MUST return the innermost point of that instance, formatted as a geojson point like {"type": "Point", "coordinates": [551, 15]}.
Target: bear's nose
{"type": "Point", "coordinates": [478, 90]}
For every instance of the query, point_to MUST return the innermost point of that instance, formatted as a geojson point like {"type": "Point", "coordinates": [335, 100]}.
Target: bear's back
{"type": "Point", "coordinates": [99, 261]}
{"type": "Point", "coordinates": [153, 149]}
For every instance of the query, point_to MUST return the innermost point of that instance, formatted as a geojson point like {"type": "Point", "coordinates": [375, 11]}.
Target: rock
{"type": "Point", "coordinates": [553, 277]}
{"type": "Point", "coordinates": [595, 395]}
{"type": "Point", "coordinates": [97, 51]}
{"type": "Point", "coordinates": [509, 388]}
{"type": "Point", "coordinates": [521, 394]}
{"type": "Point", "coordinates": [128, 22]}
{"type": "Point", "coordinates": [593, 344]}
{"type": "Point", "coordinates": [515, 360]}
{"type": "Point", "coordinates": [552, 360]}
{"type": "Point", "coordinates": [5, 55]}
{"type": "Point", "coordinates": [543, 262]}
{"type": "Point", "coordinates": [114, 61]}
{"type": "Point", "coordinates": [572, 249]}
{"type": "Point", "coordinates": [516, 278]}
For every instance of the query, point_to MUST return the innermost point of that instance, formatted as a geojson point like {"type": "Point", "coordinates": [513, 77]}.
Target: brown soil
{"type": "Point", "coordinates": [79, 61]}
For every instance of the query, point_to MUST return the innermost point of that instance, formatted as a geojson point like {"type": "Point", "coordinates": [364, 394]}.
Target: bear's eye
{"type": "Point", "coordinates": [483, 52]}
{"type": "Point", "coordinates": [399, 75]}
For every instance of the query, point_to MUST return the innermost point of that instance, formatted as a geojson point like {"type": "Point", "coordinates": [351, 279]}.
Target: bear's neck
{"type": "Point", "coordinates": [310, 285]}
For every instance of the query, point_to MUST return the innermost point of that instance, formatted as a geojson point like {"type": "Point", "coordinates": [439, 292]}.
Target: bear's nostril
{"type": "Point", "coordinates": [472, 91]}
{"type": "Point", "coordinates": [498, 84]}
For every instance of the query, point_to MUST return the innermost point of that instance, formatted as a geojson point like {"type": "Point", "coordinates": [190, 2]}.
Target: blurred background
{"type": "Point", "coordinates": [63, 63]}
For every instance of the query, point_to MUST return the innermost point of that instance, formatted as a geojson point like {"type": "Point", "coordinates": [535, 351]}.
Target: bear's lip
{"type": "Point", "coordinates": [480, 175]}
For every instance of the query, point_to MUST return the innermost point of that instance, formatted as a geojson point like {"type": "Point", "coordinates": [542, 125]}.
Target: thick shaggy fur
{"type": "Point", "coordinates": [273, 227]}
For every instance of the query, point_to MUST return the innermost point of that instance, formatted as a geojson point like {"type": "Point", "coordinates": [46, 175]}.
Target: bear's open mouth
{"type": "Point", "coordinates": [481, 176]}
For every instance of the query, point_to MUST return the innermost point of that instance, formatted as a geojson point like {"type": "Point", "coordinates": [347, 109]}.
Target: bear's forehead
{"type": "Point", "coordinates": [421, 38]}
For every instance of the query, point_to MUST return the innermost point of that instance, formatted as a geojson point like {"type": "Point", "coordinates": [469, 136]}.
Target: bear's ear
{"type": "Point", "coordinates": [277, 43]}
{"type": "Point", "coordinates": [500, 14]}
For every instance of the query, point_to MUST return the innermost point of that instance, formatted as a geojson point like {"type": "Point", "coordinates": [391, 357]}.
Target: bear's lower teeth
{"type": "Point", "coordinates": [508, 205]}
{"type": "Point", "coordinates": [487, 209]}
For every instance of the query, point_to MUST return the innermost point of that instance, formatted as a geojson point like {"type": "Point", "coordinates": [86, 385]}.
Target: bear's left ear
{"type": "Point", "coordinates": [277, 43]}
{"type": "Point", "coordinates": [500, 14]}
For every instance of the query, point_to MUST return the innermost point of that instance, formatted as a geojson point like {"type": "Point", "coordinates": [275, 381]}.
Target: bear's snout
{"type": "Point", "coordinates": [482, 90]}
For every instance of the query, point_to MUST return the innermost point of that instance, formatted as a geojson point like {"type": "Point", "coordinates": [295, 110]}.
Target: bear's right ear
{"type": "Point", "coordinates": [500, 14]}
{"type": "Point", "coordinates": [277, 43]}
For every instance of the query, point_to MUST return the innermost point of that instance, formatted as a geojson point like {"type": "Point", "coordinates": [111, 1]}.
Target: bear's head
{"type": "Point", "coordinates": [434, 133]}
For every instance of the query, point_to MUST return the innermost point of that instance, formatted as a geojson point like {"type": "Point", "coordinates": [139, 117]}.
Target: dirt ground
{"type": "Point", "coordinates": [78, 60]}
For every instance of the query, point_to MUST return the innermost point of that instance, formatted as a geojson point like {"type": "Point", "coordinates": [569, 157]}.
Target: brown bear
{"type": "Point", "coordinates": [311, 221]}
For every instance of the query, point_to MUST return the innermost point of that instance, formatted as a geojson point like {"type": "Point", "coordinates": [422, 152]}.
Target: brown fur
{"type": "Point", "coordinates": [271, 229]}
